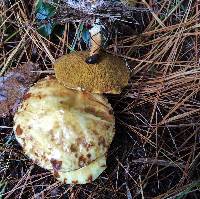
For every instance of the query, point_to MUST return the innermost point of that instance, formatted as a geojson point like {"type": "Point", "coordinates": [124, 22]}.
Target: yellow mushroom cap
{"type": "Point", "coordinates": [110, 75]}
{"type": "Point", "coordinates": [65, 131]}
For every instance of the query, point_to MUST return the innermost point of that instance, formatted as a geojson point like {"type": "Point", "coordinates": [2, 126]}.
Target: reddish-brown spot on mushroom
{"type": "Point", "coordinates": [45, 158]}
{"type": "Point", "coordinates": [76, 155]}
{"type": "Point", "coordinates": [56, 174]}
{"type": "Point", "coordinates": [56, 164]}
{"type": "Point", "coordinates": [26, 96]}
{"type": "Point", "coordinates": [106, 126]}
{"type": "Point", "coordinates": [89, 155]}
{"type": "Point", "coordinates": [90, 178]}
{"type": "Point", "coordinates": [73, 148]}
{"type": "Point", "coordinates": [97, 113]}
{"type": "Point", "coordinates": [102, 141]}
{"type": "Point", "coordinates": [63, 102]}
{"type": "Point", "coordinates": [84, 143]}
{"type": "Point", "coordinates": [110, 112]}
{"type": "Point", "coordinates": [82, 161]}
{"type": "Point", "coordinates": [36, 154]}
{"type": "Point", "coordinates": [19, 131]}
{"type": "Point", "coordinates": [95, 131]}
{"type": "Point", "coordinates": [88, 146]}
{"type": "Point", "coordinates": [79, 140]}
{"type": "Point", "coordinates": [75, 181]}
{"type": "Point", "coordinates": [24, 106]}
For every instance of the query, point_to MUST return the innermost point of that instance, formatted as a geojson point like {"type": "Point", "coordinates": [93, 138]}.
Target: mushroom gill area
{"type": "Point", "coordinates": [109, 75]}
{"type": "Point", "coordinates": [65, 131]}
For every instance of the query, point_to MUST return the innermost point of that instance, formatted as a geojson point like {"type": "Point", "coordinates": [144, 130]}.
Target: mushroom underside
{"type": "Point", "coordinates": [109, 75]}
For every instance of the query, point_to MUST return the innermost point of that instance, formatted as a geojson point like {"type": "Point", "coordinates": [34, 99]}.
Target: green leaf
{"type": "Point", "coordinates": [46, 29]}
{"type": "Point", "coordinates": [44, 10]}
{"type": "Point", "coordinates": [38, 4]}
{"type": "Point", "coordinates": [51, 10]}
{"type": "Point", "coordinates": [86, 36]}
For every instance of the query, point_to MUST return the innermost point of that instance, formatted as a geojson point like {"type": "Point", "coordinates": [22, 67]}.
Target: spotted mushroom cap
{"type": "Point", "coordinates": [110, 75]}
{"type": "Point", "coordinates": [65, 131]}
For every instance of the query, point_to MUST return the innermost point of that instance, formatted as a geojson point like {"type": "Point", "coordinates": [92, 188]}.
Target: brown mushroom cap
{"type": "Point", "coordinates": [110, 75]}
{"type": "Point", "coordinates": [65, 131]}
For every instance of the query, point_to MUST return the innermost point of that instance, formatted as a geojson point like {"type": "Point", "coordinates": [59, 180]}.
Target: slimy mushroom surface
{"type": "Point", "coordinates": [65, 131]}
{"type": "Point", "coordinates": [109, 75]}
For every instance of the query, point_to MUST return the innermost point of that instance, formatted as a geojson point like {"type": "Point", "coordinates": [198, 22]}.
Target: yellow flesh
{"type": "Point", "coordinates": [65, 130]}
{"type": "Point", "coordinates": [86, 174]}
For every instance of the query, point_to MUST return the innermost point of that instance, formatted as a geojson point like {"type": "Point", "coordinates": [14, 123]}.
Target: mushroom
{"type": "Point", "coordinates": [65, 131]}
{"type": "Point", "coordinates": [110, 75]}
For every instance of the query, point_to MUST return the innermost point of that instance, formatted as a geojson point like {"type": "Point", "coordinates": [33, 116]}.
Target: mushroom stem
{"type": "Point", "coordinates": [95, 43]}
{"type": "Point", "coordinates": [96, 40]}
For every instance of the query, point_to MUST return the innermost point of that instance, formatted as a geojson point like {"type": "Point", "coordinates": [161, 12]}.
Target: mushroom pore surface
{"type": "Point", "coordinates": [65, 131]}
{"type": "Point", "coordinates": [109, 75]}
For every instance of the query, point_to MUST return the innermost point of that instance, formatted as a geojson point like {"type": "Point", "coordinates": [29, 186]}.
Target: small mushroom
{"type": "Point", "coordinates": [109, 75]}
{"type": "Point", "coordinates": [65, 131]}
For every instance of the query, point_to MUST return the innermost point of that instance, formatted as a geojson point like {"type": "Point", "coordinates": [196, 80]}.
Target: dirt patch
{"type": "Point", "coordinates": [13, 85]}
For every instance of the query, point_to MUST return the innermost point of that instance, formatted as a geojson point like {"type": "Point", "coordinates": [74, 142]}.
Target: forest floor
{"type": "Point", "coordinates": [156, 150]}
